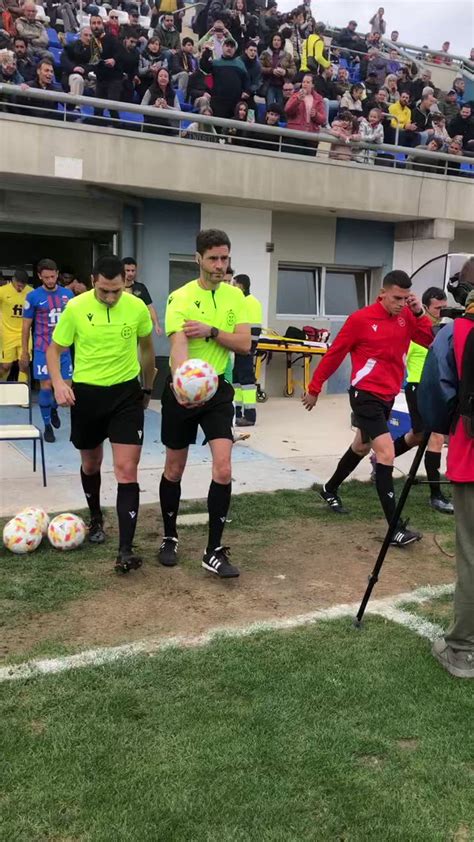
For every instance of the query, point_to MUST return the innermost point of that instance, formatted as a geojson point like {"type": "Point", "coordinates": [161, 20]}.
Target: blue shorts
{"type": "Point", "coordinates": [40, 366]}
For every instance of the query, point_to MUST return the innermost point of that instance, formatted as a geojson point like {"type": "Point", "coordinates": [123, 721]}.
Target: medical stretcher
{"type": "Point", "coordinates": [295, 350]}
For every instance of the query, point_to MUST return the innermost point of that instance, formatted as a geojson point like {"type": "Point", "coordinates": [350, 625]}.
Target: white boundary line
{"type": "Point", "coordinates": [110, 654]}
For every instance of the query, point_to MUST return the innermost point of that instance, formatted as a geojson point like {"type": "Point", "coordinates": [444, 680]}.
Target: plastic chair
{"type": "Point", "coordinates": [184, 106]}
{"type": "Point", "coordinates": [18, 394]}
{"type": "Point", "coordinates": [71, 37]}
{"type": "Point", "coordinates": [56, 53]}
{"type": "Point", "coordinates": [53, 37]}
{"type": "Point", "coordinates": [131, 117]}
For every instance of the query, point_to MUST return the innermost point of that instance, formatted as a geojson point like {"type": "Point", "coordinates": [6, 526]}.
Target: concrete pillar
{"type": "Point", "coordinates": [417, 242]}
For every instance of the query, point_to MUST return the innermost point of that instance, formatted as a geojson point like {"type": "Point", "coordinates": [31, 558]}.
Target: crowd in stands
{"type": "Point", "coordinates": [247, 62]}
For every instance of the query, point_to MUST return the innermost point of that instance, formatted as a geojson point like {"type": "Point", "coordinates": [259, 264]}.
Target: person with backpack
{"type": "Point", "coordinates": [446, 402]}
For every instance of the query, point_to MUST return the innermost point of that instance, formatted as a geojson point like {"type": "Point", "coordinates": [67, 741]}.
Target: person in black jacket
{"type": "Point", "coordinates": [330, 92]}
{"type": "Point", "coordinates": [231, 81]}
{"type": "Point", "coordinates": [75, 60]}
{"type": "Point", "coordinates": [422, 116]}
{"type": "Point", "coordinates": [252, 64]}
{"type": "Point", "coordinates": [106, 56]}
{"type": "Point", "coordinates": [129, 62]}
{"type": "Point", "coordinates": [26, 65]}
{"type": "Point", "coordinates": [463, 126]}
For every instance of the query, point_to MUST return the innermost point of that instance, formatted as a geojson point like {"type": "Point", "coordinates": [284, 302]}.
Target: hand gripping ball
{"type": "Point", "coordinates": [195, 382]}
{"type": "Point", "coordinates": [22, 534]}
{"type": "Point", "coordinates": [66, 531]}
{"type": "Point", "coordinates": [41, 517]}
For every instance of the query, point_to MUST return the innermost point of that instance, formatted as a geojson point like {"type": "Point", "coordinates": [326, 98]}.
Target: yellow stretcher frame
{"type": "Point", "coordinates": [294, 350]}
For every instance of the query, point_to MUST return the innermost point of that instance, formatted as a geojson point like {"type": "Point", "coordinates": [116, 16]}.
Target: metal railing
{"type": "Point", "coordinates": [170, 124]}
{"type": "Point", "coordinates": [426, 53]}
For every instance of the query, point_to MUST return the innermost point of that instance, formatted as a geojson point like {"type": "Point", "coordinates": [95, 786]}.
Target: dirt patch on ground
{"type": "Point", "coordinates": [306, 565]}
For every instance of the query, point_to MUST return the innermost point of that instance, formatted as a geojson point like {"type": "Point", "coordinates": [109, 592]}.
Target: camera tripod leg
{"type": "Point", "coordinates": [374, 576]}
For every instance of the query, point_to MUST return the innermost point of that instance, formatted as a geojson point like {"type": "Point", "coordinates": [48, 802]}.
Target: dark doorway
{"type": "Point", "coordinates": [76, 253]}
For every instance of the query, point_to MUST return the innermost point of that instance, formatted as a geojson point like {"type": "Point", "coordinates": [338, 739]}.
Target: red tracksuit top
{"type": "Point", "coordinates": [378, 345]}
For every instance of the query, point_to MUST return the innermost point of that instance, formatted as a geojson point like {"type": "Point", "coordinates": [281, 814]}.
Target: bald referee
{"type": "Point", "coordinates": [108, 331]}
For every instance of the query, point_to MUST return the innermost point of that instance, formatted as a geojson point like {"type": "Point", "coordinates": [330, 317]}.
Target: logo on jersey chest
{"type": "Point", "coordinates": [17, 310]}
{"type": "Point", "coordinates": [401, 321]}
{"type": "Point", "coordinates": [53, 315]}
{"type": "Point", "coordinates": [231, 318]}
{"type": "Point", "coordinates": [374, 328]}
{"type": "Point", "coordinates": [126, 332]}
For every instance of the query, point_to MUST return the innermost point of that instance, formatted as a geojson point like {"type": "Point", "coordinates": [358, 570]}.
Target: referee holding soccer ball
{"type": "Point", "coordinates": [205, 319]}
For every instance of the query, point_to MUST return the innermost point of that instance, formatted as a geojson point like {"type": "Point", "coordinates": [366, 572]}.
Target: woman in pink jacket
{"type": "Point", "coordinates": [306, 113]}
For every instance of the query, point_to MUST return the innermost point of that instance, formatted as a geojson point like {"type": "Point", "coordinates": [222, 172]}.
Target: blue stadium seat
{"type": "Point", "coordinates": [185, 106]}
{"type": "Point", "coordinates": [56, 52]}
{"type": "Point", "coordinates": [131, 117]}
{"type": "Point", "coordinates": [71, 37]}
{"type": "Point", "coordinates": [261, 110]}
{"type": "Point", "coordinates": [53, 37]}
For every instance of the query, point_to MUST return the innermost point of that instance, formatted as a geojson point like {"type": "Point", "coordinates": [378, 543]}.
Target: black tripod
{"type": "Point", "coordinates": [374, 576]}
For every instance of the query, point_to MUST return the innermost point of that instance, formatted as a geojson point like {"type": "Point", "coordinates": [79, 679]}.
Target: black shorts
{"type": "Point", "coordinates": [107, 412]}
{"type": "Point", "coordinates": [411, 395]}
{"type": "Point", "coordinates": [369, 413]}
{"type": "Point", "coordinates": [179, 425]}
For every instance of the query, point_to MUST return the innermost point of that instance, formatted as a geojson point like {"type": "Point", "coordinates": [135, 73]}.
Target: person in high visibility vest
{"type": "Point", "coordinates": [313, 59]}
{"type": "Point", "coordinates": [245, 386]}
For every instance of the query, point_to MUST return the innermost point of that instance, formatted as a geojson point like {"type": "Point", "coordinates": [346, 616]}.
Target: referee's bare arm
{"type": "Point", "coordinates": [179, 350]}
{"type": "Point", "coordinates": [62, 392]}
{"type": "Point", "coordinates": [147, 357]}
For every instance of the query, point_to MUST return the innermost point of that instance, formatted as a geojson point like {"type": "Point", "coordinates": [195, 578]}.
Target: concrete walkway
{"type": "Point", "coordinates": [289, 448]}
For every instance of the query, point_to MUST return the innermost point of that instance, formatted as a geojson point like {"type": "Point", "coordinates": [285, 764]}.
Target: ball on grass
{"type": "Point", "coordinates": [39, 515]}
{"type": "Point", "coordinates": [22, 534]}
{"type": "Point", "coordinates": [195, 382]}
{"type": "Point", "coordinates": [66, 531]}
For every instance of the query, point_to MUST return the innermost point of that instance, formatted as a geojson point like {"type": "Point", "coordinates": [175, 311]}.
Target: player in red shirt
{"type": "Point", "coordinates": [377, 337]}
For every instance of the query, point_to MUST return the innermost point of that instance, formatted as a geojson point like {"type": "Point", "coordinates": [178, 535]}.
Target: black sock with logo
{"type": "Point", "coordinates": [385, 489]}
{"type": "Point", "coordinates": [218, 502]}
{"type": "Point", "coordinates": [91, 487]}
{"type": "Point", "coordinates": [128, 501]}
{"type": "Point", "coordinates": [170, 495]}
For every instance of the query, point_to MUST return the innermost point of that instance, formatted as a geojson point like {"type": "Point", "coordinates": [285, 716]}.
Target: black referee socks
{"type": "Point", "coordinates": [128, 500]}
{"type": "Point", "coordinates": [218, 502]}
{"type": "Point", "coordinates": [91, 486]}
{"type": "Point", "coordinates": [432, 466]}
{"type": "Point", "coordinates": [385, 489]}
{"type": "Point", "coordinates": [346, 465]}
{"type": "Point", "coordinates": [170, 495]}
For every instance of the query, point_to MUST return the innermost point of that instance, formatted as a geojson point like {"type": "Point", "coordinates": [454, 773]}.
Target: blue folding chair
{"type": "Point", "coordinates": [131, 117]}
{"type": "Point", "coordinates": [185, 106]}
{"type": "Point", "coordinates": [71, 37]}
{"type": "Point", "coordinates": [53, 37]}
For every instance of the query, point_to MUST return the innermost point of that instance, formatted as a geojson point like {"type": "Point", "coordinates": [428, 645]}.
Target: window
{"type": "Point", "coordinates": [298, 290]}
{"type": "Point", "coordinates": [344, 292]}
{"type": "Point", "coordinates": [321, 291]}
{"type": "Point", "coordinates": [183, 268]}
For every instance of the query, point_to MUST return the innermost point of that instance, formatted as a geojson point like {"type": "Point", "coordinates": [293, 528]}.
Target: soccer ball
{"type": "Point", "coordinates": [66, 531]}
{"type": "Point", "coordinates": [39, 515]}
{"type": "Point", "coordinates": [195, 382]}
{"type": "Point", "coordinates": [22, 534]}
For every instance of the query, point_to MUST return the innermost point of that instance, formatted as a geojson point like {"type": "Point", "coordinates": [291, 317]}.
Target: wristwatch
{"type": "Point", "coordinates": [214, 333]}
{"type": "Point", "coordinates": [146, 391]}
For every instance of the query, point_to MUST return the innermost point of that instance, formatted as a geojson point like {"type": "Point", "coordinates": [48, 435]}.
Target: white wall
{"type": "Point", "coordinates": [409, 255]}
{"type": "Point", "coordinates": [249, 231]}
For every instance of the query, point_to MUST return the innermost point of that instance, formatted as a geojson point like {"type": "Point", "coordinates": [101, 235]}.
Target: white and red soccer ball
{"type": "Point", "coordinates": [22, 534]}
{"type": "Point", "coordinates": [40, 515]}
{"type": "Point", "coordinates": [66, 531]}
{"type": "Point", "coordinates": [195, 382]}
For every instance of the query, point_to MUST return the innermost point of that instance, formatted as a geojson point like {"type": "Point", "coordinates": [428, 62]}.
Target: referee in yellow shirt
{"type": "Point", "coordinates": [205, 319]}
{"type": "Point", "coordinates": [108, 330]}
{"type": "Point", "coordinates": [12, 301]}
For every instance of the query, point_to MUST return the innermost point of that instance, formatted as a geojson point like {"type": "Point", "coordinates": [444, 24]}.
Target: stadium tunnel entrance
{"type": "Point", "coordinates": [72, 253]}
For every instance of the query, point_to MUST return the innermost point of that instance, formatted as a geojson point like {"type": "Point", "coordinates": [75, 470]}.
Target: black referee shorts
{"type": "Point", "coordinates": [107, 412]}
{"type": "Point", "coordinates": [179, 425]}
{"type": "Point", "coordinates": [411, 394]}
{"type": "Point", "coordinates": [369, 413]}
